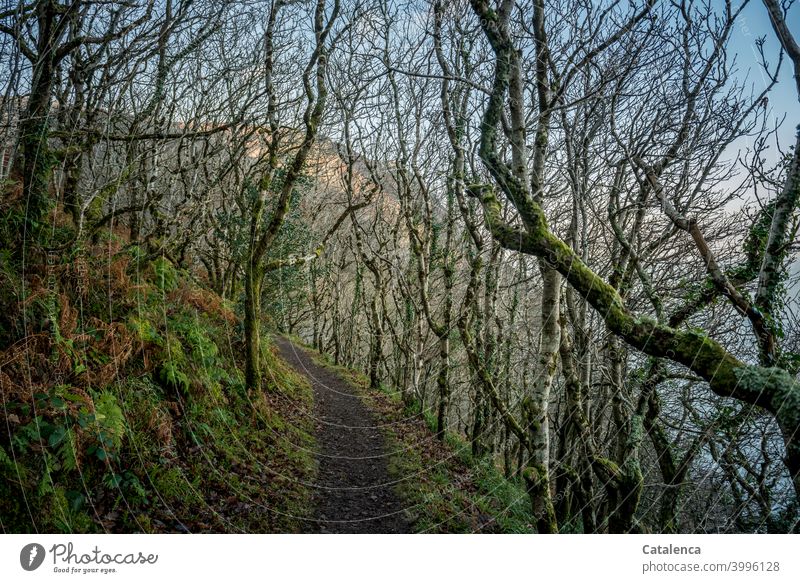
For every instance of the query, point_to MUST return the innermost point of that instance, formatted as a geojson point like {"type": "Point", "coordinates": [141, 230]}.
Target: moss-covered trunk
{"type": "Point", "coordinates": [252, 328]}
{"type": "Point", "coordinates": [376, 343]}
{"type": "Point", "coordinates": [443, 385]}
{"type": "Point", "coordinates": [34, 162]}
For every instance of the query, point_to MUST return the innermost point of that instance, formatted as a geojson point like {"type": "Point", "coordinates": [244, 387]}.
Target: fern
{"type": "Point", "coordinates": [144, 330]}
{"type": "Point", "coordinates": [5, 461]}
{"type": "Point", "coordinates": [67, 452]}
{"type": "Point", "coordinates": [110, 420]}
{"type": "Point", "coordinates": [171, 377]}
{"type": "Point", "coordinates": [166, 275]}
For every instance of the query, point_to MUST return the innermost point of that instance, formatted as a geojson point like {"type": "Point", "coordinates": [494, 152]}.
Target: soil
{"type": "Point", "coordinates": [353, 492]}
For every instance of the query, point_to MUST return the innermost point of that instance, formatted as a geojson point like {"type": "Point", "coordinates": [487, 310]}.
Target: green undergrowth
{"type": "Point", "coordinates": [126, 406]}
{"type": "Point", "coordinates": [444, 488]}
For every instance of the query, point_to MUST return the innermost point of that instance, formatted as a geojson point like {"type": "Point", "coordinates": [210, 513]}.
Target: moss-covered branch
{"type": "Point", "coordinates": [771, 388]}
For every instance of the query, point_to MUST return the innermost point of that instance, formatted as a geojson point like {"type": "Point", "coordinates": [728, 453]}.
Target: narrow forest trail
{"type": "Point", "coordinates": [353, 492]}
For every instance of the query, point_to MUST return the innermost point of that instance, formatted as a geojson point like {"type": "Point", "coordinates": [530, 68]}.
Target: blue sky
{"type": "Point", "coordinates": [752, 24]}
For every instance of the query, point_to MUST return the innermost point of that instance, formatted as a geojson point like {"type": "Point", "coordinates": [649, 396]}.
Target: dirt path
{"type": "Point", "coordinates": [353, 489]}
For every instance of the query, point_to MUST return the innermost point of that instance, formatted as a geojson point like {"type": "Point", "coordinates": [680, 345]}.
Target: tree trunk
{"type": "Point", "coordinates": [252, 328]}
{"type": "Point", "coordinates": [376, 344]}
{"type": "Point", "coordinates": [537, 474]}
{"type": "Point", "coordinates": [443, 384]}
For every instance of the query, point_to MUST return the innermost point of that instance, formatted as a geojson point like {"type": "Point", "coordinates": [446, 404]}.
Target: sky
{"type": "Point", "coordinates": [752, 24]}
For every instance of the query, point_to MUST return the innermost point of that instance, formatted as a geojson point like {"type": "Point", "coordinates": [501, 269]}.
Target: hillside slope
{"type": "Point", "coordinates": [125, 410]}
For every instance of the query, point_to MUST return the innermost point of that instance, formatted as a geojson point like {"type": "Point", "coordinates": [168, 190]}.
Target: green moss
{"type": "Point", "coordinates": [781, 390]}
{"type": "Point", "coordinates": [608, 467]}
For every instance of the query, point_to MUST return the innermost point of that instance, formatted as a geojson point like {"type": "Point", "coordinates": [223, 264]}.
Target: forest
{"type": "Point", "coordinates": [400, 266]}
